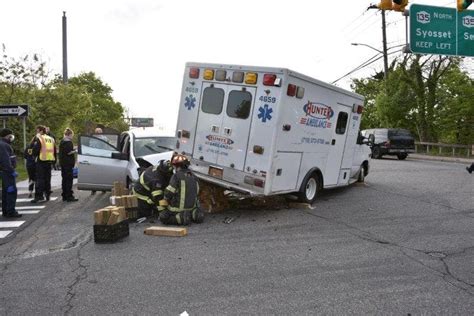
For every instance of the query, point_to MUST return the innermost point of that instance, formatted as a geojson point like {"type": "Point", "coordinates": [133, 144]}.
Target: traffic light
{"type": "Point", "coordinates": [399, 5]}
{"type": "Point", "coordinates": [463, 4]}
{"type": "Point", "coordinates": [385, 5]}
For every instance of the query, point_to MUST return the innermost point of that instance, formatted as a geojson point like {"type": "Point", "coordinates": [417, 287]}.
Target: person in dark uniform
{"type": "Point", "coordinates": [182, 196]}
{"type": "Point", "coordinates": [8, 165]}
{"type": "Point", "coordinates": [44, 149]}
{"type": "Point", "coordinates": [30, 167]}
{"type": "Point", "coordinates": [470, 169]}
{"type": "Point", "coordinates": [150, 188]}
{"type": "Point", "coordinates": [67, 160]}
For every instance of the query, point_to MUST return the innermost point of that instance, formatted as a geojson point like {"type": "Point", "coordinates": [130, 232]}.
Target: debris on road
{"type": "Point", "coordinates": [301, 205]}
{"type": "Point", "coordinates": [166, 231]}
{"type": "Point", "coordinates": [228, 220]}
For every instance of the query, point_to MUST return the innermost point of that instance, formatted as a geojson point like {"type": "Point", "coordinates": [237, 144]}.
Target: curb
{"type": "Point", "coordinates": [443, 159]}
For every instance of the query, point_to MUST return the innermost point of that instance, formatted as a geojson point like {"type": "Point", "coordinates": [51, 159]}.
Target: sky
{"type": "Point", "coordinates": [140, 47]}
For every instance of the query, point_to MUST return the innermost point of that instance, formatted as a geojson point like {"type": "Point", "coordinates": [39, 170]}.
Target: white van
{"type": "Point", "coordinates": [266, 131]}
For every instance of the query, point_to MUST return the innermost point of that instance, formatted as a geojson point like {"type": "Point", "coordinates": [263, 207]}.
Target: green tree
{"type": "Point", "coordinates": [101, 106]}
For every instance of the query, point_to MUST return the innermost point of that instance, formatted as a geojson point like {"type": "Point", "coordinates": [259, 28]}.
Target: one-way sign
{"type": "Point", "coordinates": [18, 110]}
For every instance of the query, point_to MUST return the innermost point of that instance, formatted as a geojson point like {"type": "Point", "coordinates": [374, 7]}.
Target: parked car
{"type": "Point", "coordinates": [105, 158]}
{"type": "Point", "coordinates": [390, 141]}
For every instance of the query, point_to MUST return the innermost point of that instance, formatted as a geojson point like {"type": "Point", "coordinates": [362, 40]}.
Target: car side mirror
{"type": "Point", "coordinates": [120, 156]}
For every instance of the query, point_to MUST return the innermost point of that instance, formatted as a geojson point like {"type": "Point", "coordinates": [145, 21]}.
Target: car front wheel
{"type": "Point", "coordinates": [402, 156]}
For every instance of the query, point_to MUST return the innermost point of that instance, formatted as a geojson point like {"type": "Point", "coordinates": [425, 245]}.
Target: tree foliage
{"type": "Point", "coordinates": [27, 80]}
{"type": "Point", "coordinates": [431, 96]}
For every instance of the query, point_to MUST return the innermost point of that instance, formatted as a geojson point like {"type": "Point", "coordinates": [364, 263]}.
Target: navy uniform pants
{"type": "Point", "coordinates": [43, 179]}
{"type": "Point", "coordinates": [9, 194]}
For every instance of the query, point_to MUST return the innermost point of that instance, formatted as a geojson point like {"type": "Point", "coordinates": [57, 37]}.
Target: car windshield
{"type": "Point", "coordinates": [152, 145]}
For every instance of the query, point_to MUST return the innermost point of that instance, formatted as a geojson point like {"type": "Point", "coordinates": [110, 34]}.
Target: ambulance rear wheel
{"type": "Point", "coordinates": [310, 189]}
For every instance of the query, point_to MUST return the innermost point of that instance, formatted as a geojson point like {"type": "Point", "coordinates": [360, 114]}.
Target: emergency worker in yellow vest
{"type": "Point", "coordinates": [182, 195]}
{"type": "Point", "coordinates": [150, 188]}
{"type": "Point", "coordinates": [44, 151]}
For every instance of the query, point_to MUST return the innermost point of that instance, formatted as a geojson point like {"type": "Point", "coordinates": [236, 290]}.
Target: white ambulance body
{"type": "Point", "coordinates": [266, 131]}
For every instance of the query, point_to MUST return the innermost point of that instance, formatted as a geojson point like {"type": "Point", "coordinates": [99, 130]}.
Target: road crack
{"type": "Point", "coordinates": [440, 256]}
{"type": "Point", "coordinates": [81, 273]}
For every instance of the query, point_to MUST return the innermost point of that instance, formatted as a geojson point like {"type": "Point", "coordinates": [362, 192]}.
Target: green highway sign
{"type": "Point", "coordinates": [466, 33]}
{"type": "Point", "coordinates": [442, 31]}
{"type": "Point", "coordinates": [142, 121]}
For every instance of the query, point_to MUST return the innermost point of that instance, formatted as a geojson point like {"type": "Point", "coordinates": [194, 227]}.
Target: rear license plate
{"type": "Point", "coordinates": [216, 172]}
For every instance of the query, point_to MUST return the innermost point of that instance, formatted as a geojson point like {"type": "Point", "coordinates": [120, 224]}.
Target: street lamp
{"type": "Point", "coordinates": [384, 53]}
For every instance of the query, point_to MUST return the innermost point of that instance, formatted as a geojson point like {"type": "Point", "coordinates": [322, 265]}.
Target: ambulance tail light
{"type": "Point", "coordinates": [208, 74]}
{"type": "Point", "coordinates": [360, 109]}
{"type": "Point", "coordinates": [269, 79]}
{"type": "Point", "coordinates": [254, 181]}
{"type": "Point", "coordinates": [250, 78]}
{"type": "Point", "coordinates": [194, 73]}
{"type": "Point", "coordinates": [291, 91]}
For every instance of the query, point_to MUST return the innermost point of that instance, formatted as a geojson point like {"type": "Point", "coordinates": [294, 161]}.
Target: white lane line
{"type": "Point", "coordinates": [11, 224]}
{"type": "Point", "coordinates": [33, 207]}
{"type": "Point", "coordinates": [28, 212]}
{"type": "Point", "coordinates": [5, 233]}
{"type": "Point", "coordinates": [27, 200]}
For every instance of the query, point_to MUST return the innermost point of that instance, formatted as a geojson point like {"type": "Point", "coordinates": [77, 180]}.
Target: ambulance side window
{"type": "Point", "coordinates": [239, 104]}
{"type": "Point", "coordinates": [212, 100]}
{"type": "Point", "coordinates": [341, 123]}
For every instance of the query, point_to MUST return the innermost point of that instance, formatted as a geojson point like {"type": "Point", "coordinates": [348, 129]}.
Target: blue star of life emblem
{"type": "Point", "coordinates": [265, 113]}
{"type": "Point", "coordinates": [190, 102]}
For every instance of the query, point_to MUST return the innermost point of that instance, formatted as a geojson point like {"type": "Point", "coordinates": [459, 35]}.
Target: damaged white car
{"type": "Point", "coordinates": [106, 158]}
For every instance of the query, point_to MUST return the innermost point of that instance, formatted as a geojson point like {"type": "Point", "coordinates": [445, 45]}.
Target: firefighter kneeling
{"type": "Point", "coordinates": [149, 189]}
{"type": "Point", "coordinates": [182, 196]}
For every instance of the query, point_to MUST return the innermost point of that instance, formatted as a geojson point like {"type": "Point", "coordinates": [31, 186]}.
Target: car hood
{"type": "Point", "coordinates": [155, 158]}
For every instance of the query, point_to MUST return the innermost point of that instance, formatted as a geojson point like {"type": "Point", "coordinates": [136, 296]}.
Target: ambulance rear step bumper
{"type": "Point", "coordinates": [227, 185]}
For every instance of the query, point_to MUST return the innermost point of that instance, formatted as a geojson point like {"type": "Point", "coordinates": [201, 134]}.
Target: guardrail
{"type": "Point", "coordinates": [453, 149]}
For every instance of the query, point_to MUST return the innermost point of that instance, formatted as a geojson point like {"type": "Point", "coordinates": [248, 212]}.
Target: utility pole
{"type": "Point", "coordinates": [65, 78]}
{"type": "Point", "coordinates": [384, 39]}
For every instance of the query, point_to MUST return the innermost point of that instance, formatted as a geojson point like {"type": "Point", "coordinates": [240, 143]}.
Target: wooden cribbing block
{"type": "Point", "coordinates": [122, 213]}
{"type": "Point", "coordinates": [166, 231]}
{"type": "Point", "coordinates": [113, 219]}
{"type": "Point", "coordinates": [99, 217]}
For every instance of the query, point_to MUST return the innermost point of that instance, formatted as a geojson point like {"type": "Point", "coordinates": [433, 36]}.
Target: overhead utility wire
{"type": "Point", "coordinates": [365, 64]}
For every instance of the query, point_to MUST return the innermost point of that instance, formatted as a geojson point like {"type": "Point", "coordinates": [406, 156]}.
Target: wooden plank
{"type": "Point", "coordinates": [166, 231]}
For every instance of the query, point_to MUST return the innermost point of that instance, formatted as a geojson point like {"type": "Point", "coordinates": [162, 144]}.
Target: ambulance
{"type": "Point", "coordinates": [267, 131]}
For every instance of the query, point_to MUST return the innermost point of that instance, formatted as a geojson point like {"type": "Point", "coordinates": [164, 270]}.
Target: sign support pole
{"type": "Point", "coordinates": [24, 136]}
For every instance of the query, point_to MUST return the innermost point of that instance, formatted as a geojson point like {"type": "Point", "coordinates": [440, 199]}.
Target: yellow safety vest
{"type": "Point", "coordinates": [47, 148]}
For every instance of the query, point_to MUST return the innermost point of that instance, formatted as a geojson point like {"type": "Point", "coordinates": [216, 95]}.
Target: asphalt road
{"type": "Point", "coordinates": [402, 244]}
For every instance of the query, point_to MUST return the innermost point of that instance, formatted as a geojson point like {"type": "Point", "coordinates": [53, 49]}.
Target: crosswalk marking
{"type": "Point", "coordinates": [5, 233]}
{"type": "Point", "coordinates": [28, 212]}
{"type": "Point", "coordinates": [11, 224]}
{"type": "Point", "coordinates": [32, 207]}
{"type": "Point", "coordinates": [27, 200]}
{"type": "Point", "coordinates": [24, 210]}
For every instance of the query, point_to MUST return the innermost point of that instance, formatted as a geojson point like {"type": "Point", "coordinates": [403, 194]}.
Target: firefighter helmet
{"type": "Point", "coordinates": [165, 167]}
{"type": "Point", "coordinates": [179, 160]}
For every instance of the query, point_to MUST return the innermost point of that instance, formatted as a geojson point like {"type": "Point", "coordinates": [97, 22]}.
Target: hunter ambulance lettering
{"type": "Point", "coordinates": [219, 142]}
{"type": "Point", "coordinates": [317, 115]}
